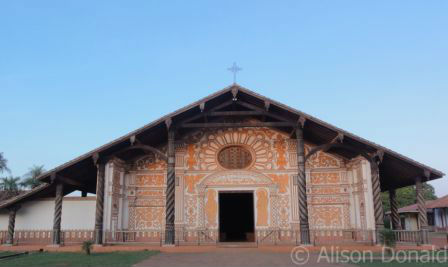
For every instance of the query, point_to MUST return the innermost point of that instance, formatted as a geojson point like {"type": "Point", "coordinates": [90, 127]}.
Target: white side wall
{"type": "Point", "coordinates": [370, 216]}
{"type": "Point", "coordinates": [77, 213]}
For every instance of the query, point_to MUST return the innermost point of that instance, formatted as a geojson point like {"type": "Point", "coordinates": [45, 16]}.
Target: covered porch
{"type": "Point", "coordinates": [231, 107]}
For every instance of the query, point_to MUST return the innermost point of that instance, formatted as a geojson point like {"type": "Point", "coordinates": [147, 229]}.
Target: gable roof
{"type": "Point", "coordinates": [429, 204]}
{"type": "Point", "coordinates": [396, 170]}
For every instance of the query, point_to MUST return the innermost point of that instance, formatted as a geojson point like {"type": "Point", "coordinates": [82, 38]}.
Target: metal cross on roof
{"type": "Point", "coordinates": [234, 69]}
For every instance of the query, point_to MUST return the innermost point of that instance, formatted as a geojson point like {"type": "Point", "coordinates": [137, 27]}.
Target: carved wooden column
{"type": "Point", "coordinates": [301, 182]}
{"type": "Point", "coordinates": [58, 213]}
{"type": "Point", "coordinates": [99, 212]}
{"type": "Point", "coordinates": [170, 191]}
{"type": "Point", "coordinates": [11, 224]}
{"type": "Point", "coordinates": [394, 215]}
{"type": "Point", "coordinates": [377, 201]}
{"type": "Point", "coordinates": [422, 216]}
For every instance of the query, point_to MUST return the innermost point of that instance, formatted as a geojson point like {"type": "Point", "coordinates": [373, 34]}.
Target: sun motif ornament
{"type": "Point", "coordinates": [234, 157]}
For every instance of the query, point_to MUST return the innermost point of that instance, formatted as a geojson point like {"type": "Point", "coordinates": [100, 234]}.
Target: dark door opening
{"type": "Point", "coordinates": [236, 217]}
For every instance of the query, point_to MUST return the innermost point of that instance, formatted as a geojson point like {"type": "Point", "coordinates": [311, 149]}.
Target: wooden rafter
{"type": "Point", "coordinates": [145, 148]}
{"type": "Point", "coordinates": [237, 124]}
{"type": "Point", "coordinates": [328, 146]}
{"type": "Point", "coordinates": [300, 122]}
{"type": "Point", "coordinates": [70, 181]}
{"type": "Point", "coordinates": [206, 113]}
{"type": "Point", "coordinates": [236, 113]}
{"type": "Point", "coordinates": [253, 107]}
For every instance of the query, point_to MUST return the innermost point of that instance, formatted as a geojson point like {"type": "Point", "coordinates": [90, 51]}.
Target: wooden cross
{"type": "Point", "coordinates": [234, 69]}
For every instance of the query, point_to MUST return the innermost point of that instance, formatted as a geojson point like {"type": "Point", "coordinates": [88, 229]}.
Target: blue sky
{"type": "Point", "coordinates": [77, 74]}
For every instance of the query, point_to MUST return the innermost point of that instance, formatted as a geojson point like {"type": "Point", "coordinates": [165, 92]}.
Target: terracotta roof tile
{"type": "Point", "coordinates": [430, 204]}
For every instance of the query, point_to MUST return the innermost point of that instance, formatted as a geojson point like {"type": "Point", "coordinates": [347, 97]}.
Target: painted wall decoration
{"type": "Point", "coordinates": [327, 217]}
{"type": "Point", "coordinates": [191, 204]}
{"type": "Point", "coordinates": [149, 217]}
{"type": "Point", "coordinates": [211, 208]}
{"type": "Point", "coordinates": [283, 211]}
{"type": "Point", "coordinates": [323, 160]}
{"type": "Point", "coordinates": [191, 157]}
{"type": "Point", "coordinates": [150, 162]}
{"type": "Point", "coordinates": [282, 180]}
{"type": "Point", "coordinates": [155, 180]}
{"type": "Point", "coordinates": [191, 181]}
{"type": "Point", "coordinates": [271, 164]}
{"type": "Point", "coordinates": [262, 207]}
{"type": "Point", "coordinates": [280, 147]}
{"type": "Point", "coordinates": [326, 178]}
{"type": "Point", "coordinates": [257, 140]}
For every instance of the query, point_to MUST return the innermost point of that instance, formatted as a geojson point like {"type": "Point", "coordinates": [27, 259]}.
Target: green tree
{"type": "Point", "coordinates": [407, 196]}
{"type": "Point", "coordinates": [10, 185]}
{"type": "Point", "coordinates": [30, 179]}
{"type": "Point", "coordinates": [3, 164]}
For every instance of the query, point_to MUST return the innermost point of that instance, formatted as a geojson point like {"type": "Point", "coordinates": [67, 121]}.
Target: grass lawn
{"type": "Point", "coordinates": [68, 259]}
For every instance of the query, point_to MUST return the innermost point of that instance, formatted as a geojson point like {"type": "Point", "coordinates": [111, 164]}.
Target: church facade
{"type": "Point", "coordinates": [232, 167]}
{"type": "Point", "coordinates": [258, 161]}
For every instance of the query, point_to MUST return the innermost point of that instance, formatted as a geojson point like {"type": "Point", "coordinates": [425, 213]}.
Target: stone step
{"type": "Point", "coordinates": [237, 244]}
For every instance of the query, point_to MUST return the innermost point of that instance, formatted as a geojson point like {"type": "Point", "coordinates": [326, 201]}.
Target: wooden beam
{"type": "Point", "coordinates": [328, 146]}
{"type": "Point", "coordinates": [293, 132]}
{"type": "Point", "coordinates": [253, 107]}
{"type": "Point", "coordinates": [379, 154]}
{"type": "Point", "coordinates": [202, 114]}
{"type": "Point", "coordinates": [139, 145]}
{"type": "Point", "coordinates": [70, 181]}
{"type": "Point", "coordinates": [95, 158]}
{"type": "Point", "coordinates": [57, 219]}
{"type": "Point", "coordinates": [170, 190]}
{"type": "Point", "coordinates": [168, 123]}
{"type": "Point", "coordinates": [236, 113]}
{"type": "Point", "coordinates": [234, 93]}
{"type": "Point", "coordinates": [237, 124]}
{"type": "Point", "coordinates": [267, 104]}
{"type": "Point", "coordinates": [99, 210]}
{"type": "Point", "coordinates": [301, 123]}
{"type": "Point", "coordinates": [202, 106]}
{"type": "Point", "coordinates": [339, 138]}
{"type": "Point", "coordinates": [149, 148]}
{"type": "Point", "coordinates": [142, 146]}
{"type": "Point", "coordinates": [301, 187]}
{"type": "Point", "coordinates": [132, 140]}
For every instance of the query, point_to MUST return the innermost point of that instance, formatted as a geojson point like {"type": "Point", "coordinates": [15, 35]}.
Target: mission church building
{"type": "Point", "coordinates": [232, 167]}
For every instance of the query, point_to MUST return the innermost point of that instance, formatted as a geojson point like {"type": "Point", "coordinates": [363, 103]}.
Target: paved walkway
{"type": "Point", "coordinates": [229, 257]}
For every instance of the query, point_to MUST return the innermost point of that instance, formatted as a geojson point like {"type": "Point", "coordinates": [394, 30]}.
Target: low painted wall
{"type": "Point", "coordinates": [77, 213]}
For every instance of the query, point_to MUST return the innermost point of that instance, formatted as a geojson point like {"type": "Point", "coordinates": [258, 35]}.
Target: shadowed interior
{"type": "Point", "coordinates": [236, 217]}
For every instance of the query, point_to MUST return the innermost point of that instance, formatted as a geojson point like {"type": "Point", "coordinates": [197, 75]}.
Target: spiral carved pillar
{"type": "Point", "coordinates": [99, 204]}
{"type": "Point", "coordinates": [303, 205]}
{"type": "Point", "coordinates": [11, 224]}
{"type": "Point", "coordinates": [170, 191]}
{"type": "Point", "coordinates": [58, 213]}
{"type": "Point", "coordinates": [422, 216]}
{"type": "Point", "coordinates": [377, 200]}
{"type": "Point", "coordinates": [394, 215]}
